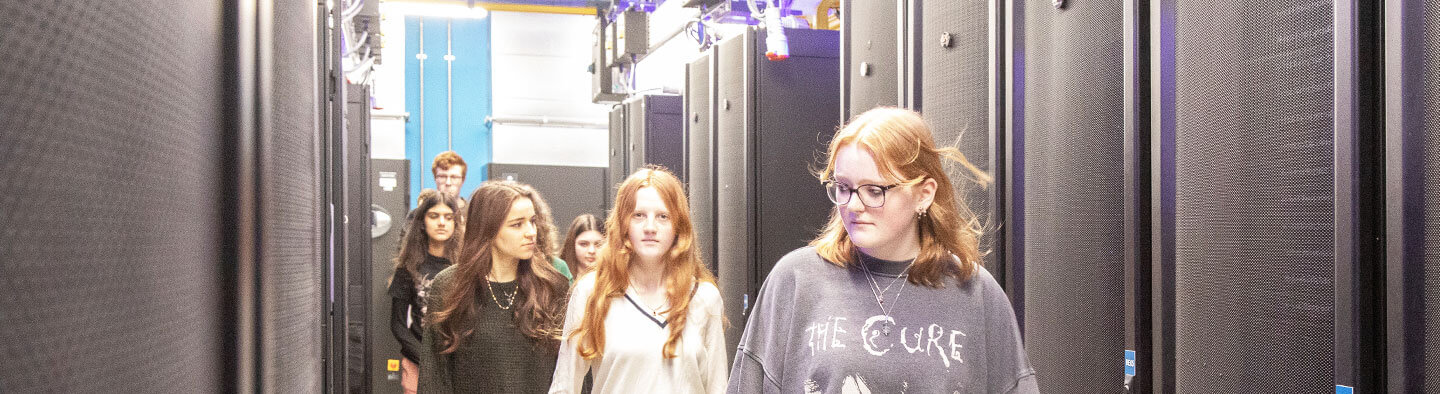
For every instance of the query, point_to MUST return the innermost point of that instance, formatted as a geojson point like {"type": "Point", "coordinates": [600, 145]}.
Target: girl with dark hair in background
{"type": "Point", "coordinates": [495, 316]}
{"type": "Point", "coordinates": [582, 244]}
{"type": "Point", "coordinates": [891, 297]}
{"type": "Point", "coordinates": [649, 318]}
{"type": "Point", "coordinates": [428, 246]}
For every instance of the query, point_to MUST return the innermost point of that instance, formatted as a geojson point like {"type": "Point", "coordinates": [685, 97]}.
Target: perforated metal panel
{"type": "Point", "coordinates": [954, 55]}
{"type": "Point", "coordinates": [356, 224]}
{"type": "Point", "coordinates": [1254, 199]}
{"type": "Point", "coordinates": [871, 60]}
{"type": "Point", "coordinates": [732, 215]}
{"type": "Point", "coordinates": [1431, 122]}
{"type": "Point", "coordinates": [700, 153]}
{"type": "Point", "coordinates": [767, 202]}
{"type": "Point", "coordinates": [656, 131]}
{"type": "Point", "coordinates": [1074, 194]}
{"type": "Point", "coordinates": [290, 211]}
{"type": "Point", "coordinates": [110, 157]}
{"type": "Point", "coordinates": [619, 151]}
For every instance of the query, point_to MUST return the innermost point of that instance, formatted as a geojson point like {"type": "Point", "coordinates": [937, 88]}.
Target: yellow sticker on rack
{"type": "Point", "coordinates": [392, 365]}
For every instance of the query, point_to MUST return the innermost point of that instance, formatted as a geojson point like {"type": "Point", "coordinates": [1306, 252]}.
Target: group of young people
{"type": "Point", "coordinates": [889, 297]}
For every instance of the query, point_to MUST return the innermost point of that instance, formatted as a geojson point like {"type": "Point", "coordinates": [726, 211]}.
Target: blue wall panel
{"type": "Point", "coordinates": [468, 88]}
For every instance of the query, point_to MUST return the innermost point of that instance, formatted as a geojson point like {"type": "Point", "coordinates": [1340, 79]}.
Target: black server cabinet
{"type": "Point", "coordinates": [1069, 183]}
{"type": "Point", "coordinates": [113, 250]}
{"type": "Point", "coordinates": [389, 205]}
{"type": "Point", "coordinates": [619, 153]}
{"type": "Point", "coordinates": [163, 203]}
{"type": "Point", "coordinates": [356, 221]}
{"type": "Point", "coordinates": [773, 118]}
{"type": "Point", "coordinates": [291, 204]}
{"type": "Point", "coordinates": [1412, 138]}
{"type": "Point", "coordinates": [1263, 123]}
{"type": "Point", "coordinates": [871, 66]}
{"type": "Point", "coordinates": [655, 128]}
{"type": "Point", "coordinates": [960, 65]}
{"type": "Point", "coordinates": [700, 152]}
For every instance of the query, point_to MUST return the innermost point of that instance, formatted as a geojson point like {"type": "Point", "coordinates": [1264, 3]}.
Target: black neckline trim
{"type": "Point", "coordinates": [693, 290]}
{"type": "Point", "coordinates": [882, 267]}
{"type": "Point", "coordinates": [662, 324]}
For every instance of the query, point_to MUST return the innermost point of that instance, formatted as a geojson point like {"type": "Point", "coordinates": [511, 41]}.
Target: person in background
{"type": "Point", "coordinates": [891, 296]}
{"type": "Point", "coordinates": [494, 317]}
{"type": "Point", "coordinates": [582, 244]}
{"type": "Point", "coordinates": [427, 246]}
{"type": "Point", "coordinates": [649, 318]}
{"type": "Point", "coordinates": [449, 171]}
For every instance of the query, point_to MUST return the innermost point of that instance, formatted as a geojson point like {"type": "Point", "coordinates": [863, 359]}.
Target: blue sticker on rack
{"type": "Point", "coordinates": [1130, 362]}
{"type": "Point", "coordinates": [1339, 389]}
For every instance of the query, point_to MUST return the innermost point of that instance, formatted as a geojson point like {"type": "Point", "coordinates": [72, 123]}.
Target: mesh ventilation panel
{"type": "Point", "coordinates": [1431, 157]}
{"type": "Point", "coordinates": [290, 211]}
{"type": "Point", "coordinates": [955, 84]}
{"type": "Point", "coordinates": [1254, 195]}
{"type": "Point", "coordinates": [1074, 194]}
{"type": "Point", "coordinates": [110, 152]}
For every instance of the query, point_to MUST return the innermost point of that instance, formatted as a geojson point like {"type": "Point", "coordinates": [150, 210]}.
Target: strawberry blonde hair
{"type": "Point", "coordinates": [684, 270]}
{"type": "Point", "coordinates": [904, 150]}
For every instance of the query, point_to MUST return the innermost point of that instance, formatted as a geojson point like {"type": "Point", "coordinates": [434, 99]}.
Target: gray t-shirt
{"type": "Point", "coordinates": [817, 328]}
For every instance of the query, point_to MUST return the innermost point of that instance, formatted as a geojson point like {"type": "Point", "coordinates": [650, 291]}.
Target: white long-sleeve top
{"type": "Point", "coordinates": [632, 361]}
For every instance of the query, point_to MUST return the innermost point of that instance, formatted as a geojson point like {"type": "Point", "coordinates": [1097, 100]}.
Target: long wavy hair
{"type": "Point", "coordinates": [545, 231]}
{"type": "Point", "coordinates": [416, 243]}
{"type": "Point", "coordinates": [905, 151]}
{"type": "Point", "coordinates": [580, 225]}
{"type": "Point", "coordinates": [542, 288]}
{"type": "Point", "coordinates": [683, 267]}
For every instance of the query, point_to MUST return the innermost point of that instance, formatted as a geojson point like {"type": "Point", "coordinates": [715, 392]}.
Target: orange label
{"type": "Point", "coordinates": [392, 365]}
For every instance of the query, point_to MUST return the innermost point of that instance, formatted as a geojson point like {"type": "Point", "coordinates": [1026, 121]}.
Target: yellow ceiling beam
{"type": "Point", "coordinates": [541, 9]}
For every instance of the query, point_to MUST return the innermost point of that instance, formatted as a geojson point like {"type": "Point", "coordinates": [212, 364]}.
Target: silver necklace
{"type": "Point", "coordinates": [509, 299]}
{"type": "Point", "coordinates": [880, 294]}
{"type": "Point", "coordinates": [653, 310]}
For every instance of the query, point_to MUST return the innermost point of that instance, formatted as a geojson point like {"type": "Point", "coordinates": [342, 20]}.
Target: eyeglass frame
{"type": "Point", "coordinates": [884, 190]}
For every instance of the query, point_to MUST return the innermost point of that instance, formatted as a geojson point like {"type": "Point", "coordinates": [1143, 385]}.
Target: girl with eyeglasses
{"type": "Point", "coordinates": [649, 318]}
{"type": "Point", "coordinates": [495, 316]}
{"type": "Point", "coordinates": [891, 296]}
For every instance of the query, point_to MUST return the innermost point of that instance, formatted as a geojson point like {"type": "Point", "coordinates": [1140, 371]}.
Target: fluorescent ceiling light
{"type": "Point", "coordinates": [432, 8]}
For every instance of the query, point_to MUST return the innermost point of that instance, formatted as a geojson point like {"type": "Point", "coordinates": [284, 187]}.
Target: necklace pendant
{"type": "Point", "coordinates": [885, 329]}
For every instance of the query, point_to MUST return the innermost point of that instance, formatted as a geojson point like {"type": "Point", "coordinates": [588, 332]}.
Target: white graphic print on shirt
{"type": "Point", "coordinates": [932, 340]}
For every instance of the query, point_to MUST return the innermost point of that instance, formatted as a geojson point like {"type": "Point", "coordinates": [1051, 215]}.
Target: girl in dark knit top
{"type": "Point", "coordinates": [429, 244]}
{"type": "Point", "coordinates": [494, 317]}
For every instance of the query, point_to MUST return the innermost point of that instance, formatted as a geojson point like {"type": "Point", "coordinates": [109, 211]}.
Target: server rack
{"type": "Point", "coordinates": [619, 153]}
{"type": "Point", "coordinates": [1264, 128]}
{"type": "Point", "coordinates": [655, 128]}
{"type": "Point", "coordinates": [963, 81]}
{"type": "Point", "coordinates": [394, 203]}
{"type": "Point", "coordinates": [180, 176]}
{"type": "Point", "coordinates": [773, 118]}
{"type": "Point", "coordinates": [355, 297]}
{"type": "Point", "coordinates": [699, 97]}
{"type": "Point", "coordinates": [1068, 182]}
{"type": "Point", "coordinates": [871, 53]}
{"type": "Point", "coordinates": [1412, 240]}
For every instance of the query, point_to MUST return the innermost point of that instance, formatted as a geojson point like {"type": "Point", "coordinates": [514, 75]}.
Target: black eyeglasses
{"type": "Point", "coordinates": [870, 195]}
